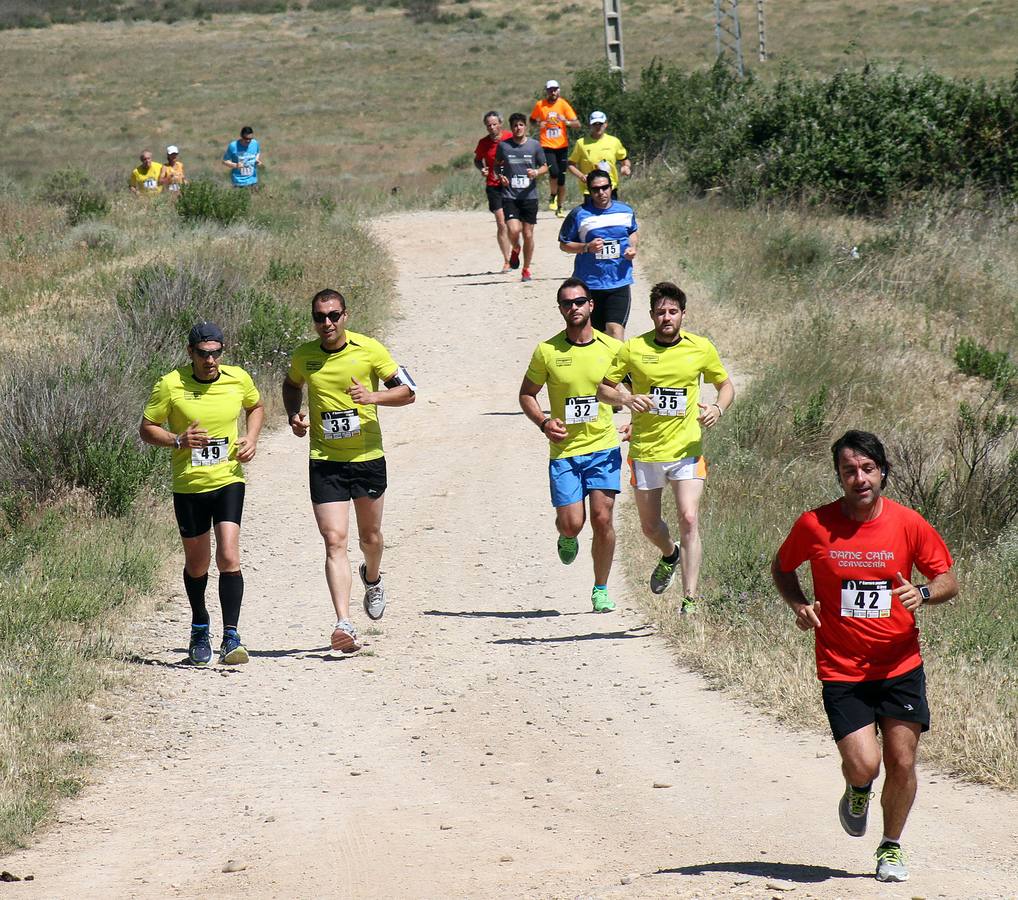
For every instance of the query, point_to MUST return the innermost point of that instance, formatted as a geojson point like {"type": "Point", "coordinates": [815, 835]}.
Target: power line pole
{"type": "Point", "coordinates": [728, 35]}
{"type": "Point", "coordinates": [760, 30]}
{"type": "Point", "coordinates": [613, 34]}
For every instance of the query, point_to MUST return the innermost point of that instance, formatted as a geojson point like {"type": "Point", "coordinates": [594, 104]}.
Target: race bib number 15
{"type": "Point", "coordinates": [866, 599]}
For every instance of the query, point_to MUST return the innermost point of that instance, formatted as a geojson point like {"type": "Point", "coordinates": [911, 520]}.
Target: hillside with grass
{"type": "Point", "coordinates": [898, 315]}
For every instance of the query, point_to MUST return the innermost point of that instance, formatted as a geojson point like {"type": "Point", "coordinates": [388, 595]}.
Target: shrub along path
{"type": "Point", "coordinates": [496, 738]}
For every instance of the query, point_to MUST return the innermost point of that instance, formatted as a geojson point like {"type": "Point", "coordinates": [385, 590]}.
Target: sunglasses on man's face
{"type": "Point", "coordinates": [333, 315]}
{"type": "Point", "coordinates": [579, 301]}
{"type": "Point", "coordinates": [208, 354]}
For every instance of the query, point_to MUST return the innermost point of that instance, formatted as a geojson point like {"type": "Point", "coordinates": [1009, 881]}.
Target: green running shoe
{"type": "Point", "coordinates": [661, 577]}
{"type": "Point", "coordinates": [601, 601]}
{"type": "Point", "coordinates": [891, 863]}
{"type": "Point", "coordinates": [688, 607]}
{"type": "Point", "coordinates": [567, 549]}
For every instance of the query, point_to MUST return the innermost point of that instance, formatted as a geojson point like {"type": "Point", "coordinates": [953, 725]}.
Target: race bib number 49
{"type": "Point", "coordinates": [581, 409]}
{"type": "Point", "coordinates": [866, 599]}
{"type": "Point", "coordinates": [216, 451]}
{"type": "Point", "coordinates": [346, 423]}
{"type": "Point", "coordinates": [668, 401]}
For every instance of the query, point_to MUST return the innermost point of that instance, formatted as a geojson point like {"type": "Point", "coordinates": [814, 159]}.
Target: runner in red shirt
{"type": "Point", "coordinates": [484, 160]}
{"type": "Point", "coordinates": [862, 550]}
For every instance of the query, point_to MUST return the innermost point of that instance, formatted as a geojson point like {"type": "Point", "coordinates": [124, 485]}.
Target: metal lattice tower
{"type": "Point", "coordinates": [760, 30]}
{"type": "Point", "coordinates": [613, 34]}
{"type": "Point", "coordinates": [727, 34]}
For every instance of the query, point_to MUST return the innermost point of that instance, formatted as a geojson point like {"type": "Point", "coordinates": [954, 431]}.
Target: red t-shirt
{"type": "Point", "coordinates": [485, 151]}
{"type": "Point", "coordinates": [865, 633]}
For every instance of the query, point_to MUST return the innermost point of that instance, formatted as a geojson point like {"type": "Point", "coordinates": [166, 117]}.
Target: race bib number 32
{"type": "Point", "coordinates": [212, 454]}
{"type": "Point", "coordinates": [581, 409]}
{"type": "Point", "coordinates": [866, 599]}
{"type": "Point", "coordinates": [345, 423]}
{"type": "Point", "coordinates": [669, 401]}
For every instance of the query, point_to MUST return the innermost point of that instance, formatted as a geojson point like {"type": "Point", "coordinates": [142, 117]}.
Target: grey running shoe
{"type": "Point", "coordinates": [344, 637]}
{"type": "Point", "coordinates": [891, 863]}
{"type": "Point", "coordinates": [853, 808]}
{"type": "Point", "coordinates": [661, 577]}
{"type": "Point", "coordinates": [374, 595]}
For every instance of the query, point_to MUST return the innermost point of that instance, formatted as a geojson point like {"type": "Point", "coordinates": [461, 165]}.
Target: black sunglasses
{"type": "Point", "coordinates": [579, 301]}
{"type": "Point", "coordinates": [209, 354]}
{"type": "Point", "coordinates": [600, 187]}
{"type": "Point", "coordinates": [333, 315]}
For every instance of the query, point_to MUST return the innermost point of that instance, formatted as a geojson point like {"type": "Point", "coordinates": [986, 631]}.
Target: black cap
{"type": "Point", "coordinates": [205, 331]}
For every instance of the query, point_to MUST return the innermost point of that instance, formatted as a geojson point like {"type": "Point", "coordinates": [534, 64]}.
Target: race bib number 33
{"type": "Point", "coordinates": [345, 423]}
{"type": "Point", "coordinates": [866, 599]}
{"type": "Point", "coordinates": [669, 401]}
{"type": "Point", "coordinates": [581, 409]}
{"type": "Point", "coordinates": [212, 454]}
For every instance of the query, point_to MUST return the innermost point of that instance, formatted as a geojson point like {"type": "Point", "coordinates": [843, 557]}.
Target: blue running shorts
{"type": "Point", "coordinates": [573, 477]}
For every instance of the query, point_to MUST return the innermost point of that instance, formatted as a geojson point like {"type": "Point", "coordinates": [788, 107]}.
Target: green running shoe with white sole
{"type": "Point", "coordinates": [891, 863]}
{"type": "Point", "coordinates": [661, 577]}
{"type": "Point", "coordinates": [601, 601]}
{"type": "Point", "coordinates": [688, 606]}
{"type": "Point", "coordinates": [567, 549]}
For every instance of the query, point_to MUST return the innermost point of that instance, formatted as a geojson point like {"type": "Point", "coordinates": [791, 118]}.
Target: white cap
{"type": "Point", "coordinates": [597, 116]}
{"type": "Point", "coordinates": [551, 84]}
{"type": "Point", "coordinates": [172, 149]}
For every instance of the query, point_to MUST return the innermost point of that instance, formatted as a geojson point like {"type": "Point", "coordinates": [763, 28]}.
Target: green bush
{"type": "Point", "coordinates": [75, 190]}
{"type": "Point", "coordinates": [972, 358]}
{"type": "Point", "coordinates": [204, 200]}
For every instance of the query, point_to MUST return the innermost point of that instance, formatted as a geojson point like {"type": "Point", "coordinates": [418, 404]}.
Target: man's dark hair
{"type": "Point", "coordinates": [246, 131]}
{"type": "Point", "coordinates": [516, 117]}
{"type": "Point", "coordinates": [866, 444]}
{"type": "Point", "coordinates": [570, 283]}
{"type": "Point", "coordinates": [597, 173]}
{"type": "Point", "coordinates": [326, 295]}
{"type": "Point", "coordinates": [666, 290]}
{"type": "Point", "coordinates": [489, 114]}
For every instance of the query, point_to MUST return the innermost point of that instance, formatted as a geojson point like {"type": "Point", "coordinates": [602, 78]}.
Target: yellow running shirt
{"type": "Point", "coordinates": [553, 118]}
{"type": "Point", "coordinates": [173, 176]}
{"type": "Point", "coordinates": [178, 399]}
{"type": "Point", "coordinates": [672, 376]}
{"type": "Point", "coordinates": [572, 373]}
{"type": "Point", "coordinates": [340, 429]}
{"type": "Point", "coordinates": [147, 182]}
{"type": "Point", "coordinates": [588, 154]}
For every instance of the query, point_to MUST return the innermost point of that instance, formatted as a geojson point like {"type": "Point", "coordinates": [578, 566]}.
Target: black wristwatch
{"type": "Point", "coordinates": [924, 592]}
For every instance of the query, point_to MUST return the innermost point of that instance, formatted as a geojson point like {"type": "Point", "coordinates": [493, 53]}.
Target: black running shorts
{"type": "Point", "coordinates": [524, 210]}
{"type": "Point", "coordinates": [610, 306]}
{"type": "Point", "coordinates": [558, 163]}
{"type": "Point", "coordinates": [494, 198]}
{"type": "Point", "coordinates": [335, 482]}
{"type": "Point", "coordinates": [197, 513]}
{"type": "Point", "coordinates": [851, 705]}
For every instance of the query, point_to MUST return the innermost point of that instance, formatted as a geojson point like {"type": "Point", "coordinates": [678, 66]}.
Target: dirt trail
{"type": "Point", "coordinates": [496, 739]}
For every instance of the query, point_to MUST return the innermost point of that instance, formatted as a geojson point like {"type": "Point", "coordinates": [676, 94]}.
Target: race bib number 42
{"type": "Point", "coordinates": [216, 451]}
{"type": "Point", "coordinates": [668, 401]}
{"type": "Point", "coordinates": [581, 409]}
{"type": "Point", "coordinates": [346, 423]}
{"type": "Point", "coordinates": [866, 599]}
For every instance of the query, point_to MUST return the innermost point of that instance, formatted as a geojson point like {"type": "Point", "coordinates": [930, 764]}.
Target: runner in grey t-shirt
{"type": "Point", "coordinates": [519, 162]}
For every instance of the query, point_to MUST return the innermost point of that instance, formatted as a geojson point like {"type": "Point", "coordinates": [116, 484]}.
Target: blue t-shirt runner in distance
{"type": "Point", "coordinates": [609, 268]}
{"type": "Point", "coordinates": [245, 157]}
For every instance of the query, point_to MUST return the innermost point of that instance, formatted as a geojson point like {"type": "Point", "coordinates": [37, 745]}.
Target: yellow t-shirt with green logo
{"type": "Point", "coordinates": [178, 399]}
{"type": "Point", "coordinates": [340, 429]}
{"type": "Point", "coordinates": [671, 375]}
{"type": "Point", "coordinates": [147, 182]}
{"type": "Point", "coordinates": [588, 154]}
{"type": "Point", "coordinates": [572, 373]}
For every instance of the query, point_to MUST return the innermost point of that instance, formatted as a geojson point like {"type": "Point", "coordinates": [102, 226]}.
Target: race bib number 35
{"type": "Point", "coordinates": [866, 599]}
{"type": "Point", "coordinates": [581, 409]}
{"type": "Point", "coordinates": [346, 423]}
{"type": "Point", "coordinates": [669, 401]}
{"type": "Point", "coordinates": [212, 454]}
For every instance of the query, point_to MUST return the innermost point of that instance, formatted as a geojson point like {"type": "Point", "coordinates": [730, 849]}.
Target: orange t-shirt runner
{"type": "Point", "coordinates": [553, 129]}
{"type": "Point", "coordinates": [865, 632]}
